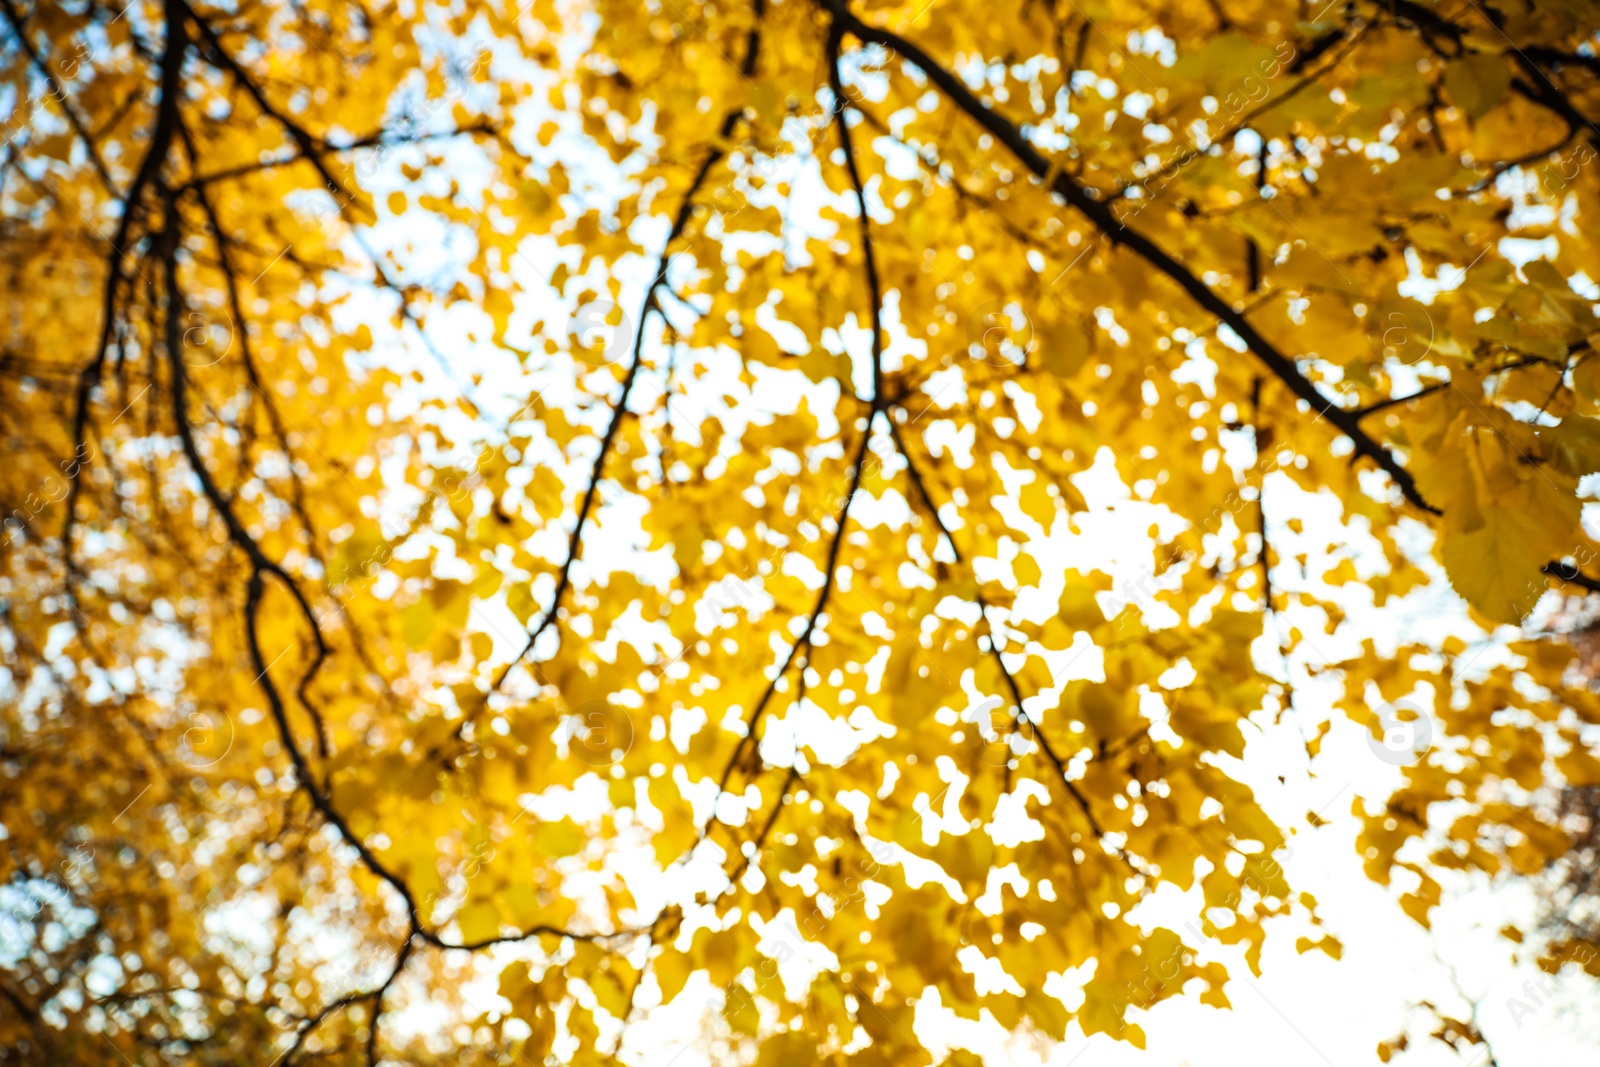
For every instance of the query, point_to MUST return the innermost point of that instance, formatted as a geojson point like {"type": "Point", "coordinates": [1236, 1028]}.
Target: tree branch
{"type": "Point", "coordinates": [167, 116]}
{"type": "Point", "coordinates": [218, 56]}
{"type": "Point", "coordinates": [1101, 216]}
{"type": "Point", "coordinates": [620, 410]}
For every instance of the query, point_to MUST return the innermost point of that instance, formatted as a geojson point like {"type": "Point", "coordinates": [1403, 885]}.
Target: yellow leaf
{"type": "Point", "coordinates": [1476, 83]}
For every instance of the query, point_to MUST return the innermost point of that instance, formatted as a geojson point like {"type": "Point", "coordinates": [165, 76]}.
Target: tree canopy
{"type": "Point", "coordinates": [552, 513]}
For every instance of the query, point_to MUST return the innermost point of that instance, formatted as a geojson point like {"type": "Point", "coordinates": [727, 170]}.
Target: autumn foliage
{"type": "Point", "coordinates": [554, 514]}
